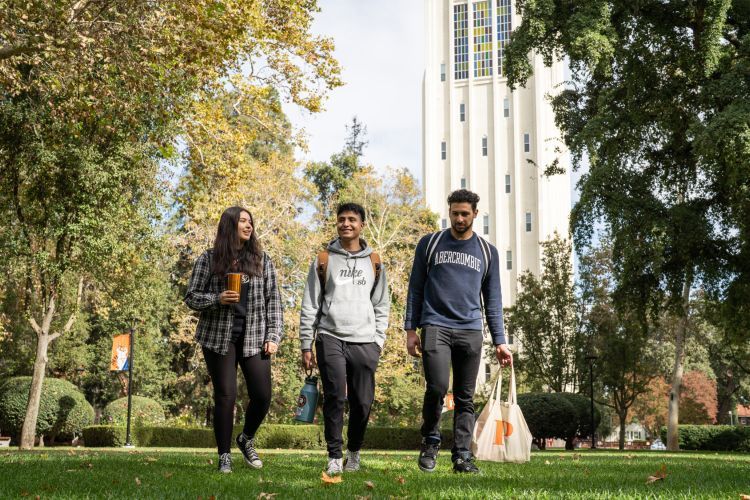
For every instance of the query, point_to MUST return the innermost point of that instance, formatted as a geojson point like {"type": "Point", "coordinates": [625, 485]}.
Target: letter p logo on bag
{"type": "Point", "coordinates": [502, 430]}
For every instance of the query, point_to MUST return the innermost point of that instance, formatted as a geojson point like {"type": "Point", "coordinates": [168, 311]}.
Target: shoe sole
{"type": "Point", "coordinates": [250, 464]}
{"type": "Point", "coordinates": [423, 469]}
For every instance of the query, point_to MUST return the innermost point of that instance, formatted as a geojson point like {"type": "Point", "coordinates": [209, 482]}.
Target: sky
{"type": "Point", "coordinates": [380, 46]}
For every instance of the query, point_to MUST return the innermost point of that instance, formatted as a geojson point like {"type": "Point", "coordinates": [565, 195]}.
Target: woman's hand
{"type": "Point", "coordinates": [229, 297]}
{"type": "Point", "coordinates": [270, 348]}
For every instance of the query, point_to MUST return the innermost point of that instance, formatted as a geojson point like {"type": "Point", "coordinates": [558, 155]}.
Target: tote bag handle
{"type": "Point", "coordinates": [511, 390]}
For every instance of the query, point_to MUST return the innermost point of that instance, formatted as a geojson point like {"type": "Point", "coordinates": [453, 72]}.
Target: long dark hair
{"type": "Point", "coordinates": [226, 256]}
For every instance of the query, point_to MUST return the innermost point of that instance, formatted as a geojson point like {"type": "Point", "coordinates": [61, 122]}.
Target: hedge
{"type": "Point", "coordinates": [711, 437]}
{"type": "Point", "coordinates": [548, 415]}
{"type": "Point", "coordinates": [144, 411]}
{"type": "Point", "coordinates": [308, 437]}
{"type": "Point", "coordinates": [582, 404]}
{"type": "Point", "coordinates": [63, 410]}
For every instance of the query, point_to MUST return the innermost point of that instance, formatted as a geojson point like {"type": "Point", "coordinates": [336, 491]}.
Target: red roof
{"type": "Point", "coordinates": [743, 411]}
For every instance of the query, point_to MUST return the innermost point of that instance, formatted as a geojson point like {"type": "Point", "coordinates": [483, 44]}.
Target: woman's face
{"type": "Point", "coordinates": [244, 227]}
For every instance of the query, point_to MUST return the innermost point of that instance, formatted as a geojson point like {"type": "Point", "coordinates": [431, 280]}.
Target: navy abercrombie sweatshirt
{"type": "Point", "coordinates": [448, 293]}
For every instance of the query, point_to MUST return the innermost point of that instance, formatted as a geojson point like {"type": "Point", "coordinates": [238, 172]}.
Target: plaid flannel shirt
{"type": "Point", "coordinates": [264, 321]}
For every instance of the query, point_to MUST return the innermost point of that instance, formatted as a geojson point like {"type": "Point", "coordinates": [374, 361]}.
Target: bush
{"type": "Point", "coordinates": [548, 415]}
{"type": "Point", "coordinates": [582, 405]}
{"type": "Point", "coordinates": [144, 411]}
{"type": "Point", "coordinates": [307, 437]}
{"type": "Point", "coordinates": [63, 410]}
{"type": "Point", "coordinates": [711, 437]}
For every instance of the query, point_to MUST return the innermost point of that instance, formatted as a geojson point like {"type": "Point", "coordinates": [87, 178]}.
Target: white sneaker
{"type": "Point", "coordinates": [351, 463]}
{"type": "Point", "coordinates": [334, 466]}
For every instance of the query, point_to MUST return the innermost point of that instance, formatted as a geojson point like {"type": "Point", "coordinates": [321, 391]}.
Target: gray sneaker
{"type": "Point", "coordinates": [334, 466]}
{"type": "Point", "coordinates": [247, 447]}
{"type": "Point", "coordinates": [351, 462]}
{"type": "Point", "coordinates": [225, 463]}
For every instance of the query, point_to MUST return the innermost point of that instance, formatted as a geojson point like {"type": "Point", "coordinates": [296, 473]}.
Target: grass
{"type": "Point", "coordinates": [187, 473]}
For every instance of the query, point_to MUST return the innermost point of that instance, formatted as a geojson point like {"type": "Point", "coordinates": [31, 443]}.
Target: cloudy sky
{"type": "Point", "coordinates": [380, 47]}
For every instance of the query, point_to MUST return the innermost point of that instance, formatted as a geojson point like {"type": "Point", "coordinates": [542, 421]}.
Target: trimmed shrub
{"type": "Point", "coordinates": [582, 404]}
{"type": "Point", "coordinates": [308, 437]}
{"type": "Point", "coordinates": [104, 435]}
{"type": "Point", "coordinates": [548, 415]}
{"type": "Point", "coordinates": [144, 411]}
{"type": "Point", "coordinates": [63, 410]}
{"type": "Point", "coordinates": [711, 437]}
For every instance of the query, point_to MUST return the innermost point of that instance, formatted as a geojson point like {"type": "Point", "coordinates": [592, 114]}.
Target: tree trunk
{"type": "Point", "coordinates": [44, 338]}
{"type": "Point", "coordinates": [673, 419]}
{"type": "Point", "coordinates": [28, 432]}
{"type": "Point", "coordinates": [725, 398]}
{"type": "Point", "coordinates": [623, 417]}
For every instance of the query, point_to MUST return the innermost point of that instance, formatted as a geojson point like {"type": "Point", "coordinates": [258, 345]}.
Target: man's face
{"type": "Point", "coordinates": [462, 216]}
{"type": "Point", "coordinates": [349, 225]}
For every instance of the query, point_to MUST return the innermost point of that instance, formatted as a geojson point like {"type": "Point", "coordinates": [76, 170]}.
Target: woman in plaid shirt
{"type": "Point", "coordinates": [237, 328]}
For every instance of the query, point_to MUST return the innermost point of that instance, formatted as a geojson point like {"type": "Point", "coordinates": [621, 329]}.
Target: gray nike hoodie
{"type": "Point", "coordinates": [348, 311]}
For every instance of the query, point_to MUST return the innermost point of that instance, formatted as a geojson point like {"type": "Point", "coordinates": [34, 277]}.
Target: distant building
{"type": "Point", "coordinates": [743, 415]}
{"type": "Point", "coordinates": [479, 135]}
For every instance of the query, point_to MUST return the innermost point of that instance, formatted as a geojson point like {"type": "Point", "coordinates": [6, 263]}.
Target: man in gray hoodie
{"type": "Point", "coordinates": [345, 313]}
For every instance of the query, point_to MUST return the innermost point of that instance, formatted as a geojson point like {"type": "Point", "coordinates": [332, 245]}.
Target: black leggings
{"type": "Point", "coordinates": [223, 372]}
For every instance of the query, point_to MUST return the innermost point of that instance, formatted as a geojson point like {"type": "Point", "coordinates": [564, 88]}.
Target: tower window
{"type": "Point", "coordinates": [463, 182]}
{"type": "Point", "coordinates": [484, 146]}
{"type": "Point", "coordinates": [528, 222]}
{"type": "Point", "coordinates": [486, 224]}
{"type": "Point", "coordinates": [526, 143]}
{"type": "Point", "coordinates": [443, 150]}
{"type": "Point", "coordinates": [462, 112]}
{"type": "Point", "coordinates": [509, 259]}
{"type": "Point", "coordinates": [461, 41]}
{"type": "Point", "coordinates": [444, 223]}
{"type": "Point", "coordinates": [482, 38]}
{"type": "Point", "coordinates": [507, 183]}
{"type": "Point", "coordinates": [442, 72]}
{"type": "Point", "coordinates": [506, 107]}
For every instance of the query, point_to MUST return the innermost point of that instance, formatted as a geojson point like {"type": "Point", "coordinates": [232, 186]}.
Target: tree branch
{"type": "Point", "coordinates": [16, 50]}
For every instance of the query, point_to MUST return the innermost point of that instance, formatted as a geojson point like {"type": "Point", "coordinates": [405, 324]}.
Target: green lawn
{"type": "Point", "coordinates": [187, 473]}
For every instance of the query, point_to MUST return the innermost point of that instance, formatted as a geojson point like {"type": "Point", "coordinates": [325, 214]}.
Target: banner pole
{"type": "Point", "coordinates": [128, 443]}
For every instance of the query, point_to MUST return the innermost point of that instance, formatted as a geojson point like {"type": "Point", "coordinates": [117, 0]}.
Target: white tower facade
{"type": "Point", "coordinates": [479, 135]}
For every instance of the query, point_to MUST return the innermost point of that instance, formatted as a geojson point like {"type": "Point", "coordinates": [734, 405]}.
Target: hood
{"type": "Point", "coordinates": [335, 247]}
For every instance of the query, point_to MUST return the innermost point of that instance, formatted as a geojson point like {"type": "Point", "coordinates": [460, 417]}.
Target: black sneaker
{"type": "Point", "coordinates": [225, 463]}
{"type": "Point", "coordinates": [428, 456]}
{"type": "Point", "coordinates": [247, 447]}
{"type": "Point", "coordinates": [465, 466]}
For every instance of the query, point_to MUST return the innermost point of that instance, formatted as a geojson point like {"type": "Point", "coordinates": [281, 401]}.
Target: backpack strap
{"type": "Point", "coordinates": [377, 268]}
{"type": "Point", "coordinates": [432, 245]}
{"type": "Point", "coordinates": [322, 269]}
{"type": "Point", "coordinates": [487, 254]}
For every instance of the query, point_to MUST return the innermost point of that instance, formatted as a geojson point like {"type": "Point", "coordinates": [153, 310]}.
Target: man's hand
{"type": "Point", "coordinates": [229, 297]}
{"type": "Point", "coordinates": [270, 348]}
{"type": "Point", "coordinates": [413, 344]}
{"type": "Point", "coordinates": [503, 355]}
{"type": "Point", "coordinates": [308, 360]}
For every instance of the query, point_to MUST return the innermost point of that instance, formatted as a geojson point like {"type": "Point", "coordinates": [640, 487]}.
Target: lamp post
{"type": "Point", "coordinates": [590, 358]}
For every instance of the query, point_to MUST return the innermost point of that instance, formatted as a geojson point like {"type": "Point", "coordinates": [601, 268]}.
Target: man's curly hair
{"type": "Point", "coordinates": [464, 196]}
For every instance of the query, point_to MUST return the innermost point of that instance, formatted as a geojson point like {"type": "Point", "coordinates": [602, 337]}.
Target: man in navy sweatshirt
{"type": "Point", "coordinates": [455, 273]}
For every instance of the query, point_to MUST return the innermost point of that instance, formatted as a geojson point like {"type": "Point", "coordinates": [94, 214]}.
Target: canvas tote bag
{"type": "Point", "coordinates": [501, 433]}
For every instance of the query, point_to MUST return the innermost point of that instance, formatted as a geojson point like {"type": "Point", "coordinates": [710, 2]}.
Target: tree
{"type": "Point", "coordinates": [224, 167]}
{"type": "Point", "coordinates": [668, 159]}
{"type": "Point", "coordinates": [89, 103]}
{"type": "Point", "coordinates": [625, 343]}
{"type": "Point", "coordinates": [330, 178]}
{"type": "Point", "coordinates": [545, 317]}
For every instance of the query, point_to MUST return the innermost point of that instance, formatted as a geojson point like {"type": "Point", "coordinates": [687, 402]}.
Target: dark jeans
{"type": "Point", "coordinates": [441, 349]}
{"type": "Point", "coordinates": [347, 371]}
{"type": "Point", "coordinates": [223, 371]}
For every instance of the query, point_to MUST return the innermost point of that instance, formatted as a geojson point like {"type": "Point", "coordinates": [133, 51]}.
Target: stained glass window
{"type": "Point", "coordinates": [482, 39]}
{"type": "Point", "coordinates": [461, 41]}
{"type": "Point", "coordinates": [503, 31]}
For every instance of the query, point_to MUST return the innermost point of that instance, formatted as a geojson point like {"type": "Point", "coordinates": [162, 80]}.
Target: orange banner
{"type": "Point", "coordinates": [120, 353]}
